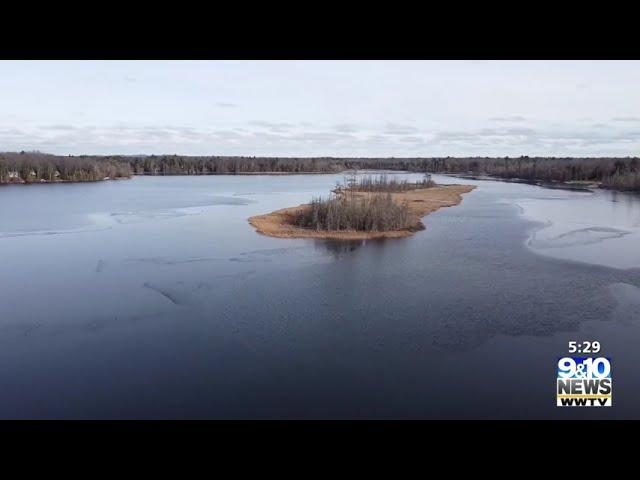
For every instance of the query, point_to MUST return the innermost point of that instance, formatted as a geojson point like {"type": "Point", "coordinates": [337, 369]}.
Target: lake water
{"type": "Point", "coordinates": [154, 298]}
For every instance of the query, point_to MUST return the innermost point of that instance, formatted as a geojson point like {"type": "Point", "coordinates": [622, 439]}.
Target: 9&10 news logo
{"type": "Point", "coordinates": [584, 381]}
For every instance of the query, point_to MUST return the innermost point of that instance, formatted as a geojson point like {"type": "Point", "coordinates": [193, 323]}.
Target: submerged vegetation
{"type": "Point", "coordinates": [617, 173]}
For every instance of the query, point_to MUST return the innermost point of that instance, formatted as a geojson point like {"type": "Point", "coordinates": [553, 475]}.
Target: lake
{"type": "Point", "coordinates": [154, 298]}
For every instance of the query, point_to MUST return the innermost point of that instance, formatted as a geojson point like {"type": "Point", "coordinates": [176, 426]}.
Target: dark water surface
{"type": "Point", "coordinates": [154, 298]}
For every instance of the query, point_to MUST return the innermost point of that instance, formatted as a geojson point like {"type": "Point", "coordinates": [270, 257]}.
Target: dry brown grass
{"type": "Point", "coordinates": [420, 202]}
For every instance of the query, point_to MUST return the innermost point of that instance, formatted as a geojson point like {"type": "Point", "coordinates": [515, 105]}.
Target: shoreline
{"type": "Point", "coordinates": [579, 185]}
{"type": "Point", "coordinates": [54, 182]}
{"type": "Point", "coordinates": [576, 185]}
{"type": "Point", "coordinates": [421, 202]}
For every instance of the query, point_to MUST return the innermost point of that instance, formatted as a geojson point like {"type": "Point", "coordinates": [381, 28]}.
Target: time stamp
{"type": "Point", "coordinates": [584, 380]}
{"type": "Point", "coordinates": [584, 347]}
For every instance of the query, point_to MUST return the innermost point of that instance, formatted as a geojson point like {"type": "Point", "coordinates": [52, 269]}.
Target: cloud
{"type": "Point", "coordinates": [273, 126]}
{"type": "Point", "coordinates": [399, 129]}
{"type": "Point", "coordinates": [626, 119]}
{"type": "Point", "coordinates": [345, 127]}
{"type": "Point", "coordinates": [286, 139]}
{"type": "Point", "coordinates": [484, 136]}
{"type": "Point", "coordinates": [58, 127]}
{"type": "Point", "coordinates": [513, 118]}
{"type": "Point", "coordinates": [226, 105]}
{"type": "Point", "coordinates": [9, 134]}
{"type": "Point", "coordinates": [411, 139]}
{"type": "Point", "coordinates": [550, 141]}
{"type": "Point", "coordinates": [507, 131]}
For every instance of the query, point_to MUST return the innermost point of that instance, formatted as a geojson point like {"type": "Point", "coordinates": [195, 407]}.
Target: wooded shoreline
{"type": "Point", "coordinates": [34, 167]}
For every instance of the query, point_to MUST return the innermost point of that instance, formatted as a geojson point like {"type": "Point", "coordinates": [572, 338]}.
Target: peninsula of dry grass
{"type": "Point", "coordinates": [353, 214]}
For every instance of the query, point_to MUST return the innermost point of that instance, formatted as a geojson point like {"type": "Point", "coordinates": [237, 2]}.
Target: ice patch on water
{"type": "Point", "coordinates": [585, 227]}
{"type": "Point", "coordinates": [174, 261]}
{"type": "Point", "coordinates": [581, 236]}
{"type": "Point", "coordinates": [32, 233]}
{"type": "Point", "coordinates": [139, 217]}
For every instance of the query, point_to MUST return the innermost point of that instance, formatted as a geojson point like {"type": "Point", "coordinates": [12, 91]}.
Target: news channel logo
{"type": "Point", "coordinates": [584, 382]}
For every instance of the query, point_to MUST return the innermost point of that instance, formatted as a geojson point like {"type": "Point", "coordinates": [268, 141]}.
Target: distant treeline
{"type": "Point", "coordinates": [34, 167]}
{"type": "Point", "coordinates": [618, 173]}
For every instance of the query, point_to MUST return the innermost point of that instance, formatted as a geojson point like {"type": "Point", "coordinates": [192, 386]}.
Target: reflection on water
{"type": "Point", "coordinates": [338, 247]}
{"type": "Point", "coordinates": [179, 309]}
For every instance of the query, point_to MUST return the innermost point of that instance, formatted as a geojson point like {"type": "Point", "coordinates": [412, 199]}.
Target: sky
{"type": "Point", "coordinates": [322, 108]}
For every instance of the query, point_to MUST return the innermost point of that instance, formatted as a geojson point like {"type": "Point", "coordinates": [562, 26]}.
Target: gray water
{"type": "Point", "coordinates": [154, 298]}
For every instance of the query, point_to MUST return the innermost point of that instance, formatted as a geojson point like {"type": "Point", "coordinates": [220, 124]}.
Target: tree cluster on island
{"type": "Point", "coordinates": [375, 211]}
{"type": "Point", "coordinates": [384, 183]}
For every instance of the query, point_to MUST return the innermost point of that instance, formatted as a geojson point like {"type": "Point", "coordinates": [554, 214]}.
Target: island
{"type": "Point", "coordinates": [360, 211]}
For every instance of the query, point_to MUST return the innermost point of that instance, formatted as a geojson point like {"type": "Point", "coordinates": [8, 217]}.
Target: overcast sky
{"type": "Point", "coordinates": [322, 108]}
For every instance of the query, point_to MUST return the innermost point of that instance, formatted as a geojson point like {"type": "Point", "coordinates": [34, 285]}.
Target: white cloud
{"type": "Point", "coordinates": [321, 108]}
{"type": "Point", "coordinates": [512, 118]}
{"type": "Point", "coordinates": [626, 119]}
{"type": "Point", "coordinates": [226, 105]}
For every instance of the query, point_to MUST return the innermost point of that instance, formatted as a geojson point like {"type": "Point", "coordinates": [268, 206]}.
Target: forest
{"type": "Point", "coordinates": [35, 167]}
{"type": "Point", "coordinates": [613, 172]}
{"type": "Point", "coordinates": [27, 167]}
